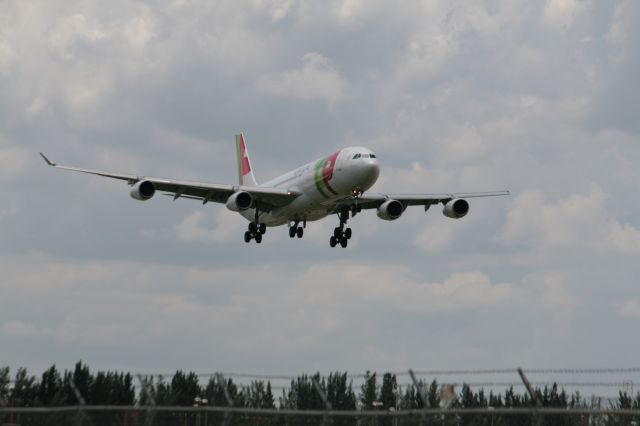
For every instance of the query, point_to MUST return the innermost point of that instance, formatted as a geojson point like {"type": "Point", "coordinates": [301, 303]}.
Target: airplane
{"type": "Point", "coordinates": [335, 184]}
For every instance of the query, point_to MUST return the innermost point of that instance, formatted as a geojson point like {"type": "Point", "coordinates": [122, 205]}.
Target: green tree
{"type": "Point", "coordinates": [259, 396]}
{"type": "Point", "coordinates": [25, 389]}
{"type": "Point", "coordinates": [50, 391]}
{"type": "Point", "coordinates": [4, 385]}
{"type": "Point", "coordinates": [303, 395]}
{"type": "Point", "coordinates": [433, 396]}
{"type": "Point", "coordinates": [340, 392]}
{"type": "Point", "coordinates": [184, 389]}
{"type": "Point", "coordinates": [215, 393]}
{"type": "Point", "coordinates": [83, 381]}
{"type": "Point", "coordinates": [369, 391]}
{"type": "Point", "coordinates": [388, 391]}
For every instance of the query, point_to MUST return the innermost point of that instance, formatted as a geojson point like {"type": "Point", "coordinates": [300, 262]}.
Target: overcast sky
{"type": "Point", "coordinates": [541, 98]}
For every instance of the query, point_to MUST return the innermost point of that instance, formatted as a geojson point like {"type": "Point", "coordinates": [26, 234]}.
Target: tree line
{"type": "Point", "coordinates": [64, 388]}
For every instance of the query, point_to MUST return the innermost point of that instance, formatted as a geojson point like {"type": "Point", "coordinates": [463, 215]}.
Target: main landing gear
{"type": "Point", "coordinates": [295, 230]}
{"type": "Point", "coordinates": [340, 234]}
{"type": "Point", "coordinates": [256, 230]}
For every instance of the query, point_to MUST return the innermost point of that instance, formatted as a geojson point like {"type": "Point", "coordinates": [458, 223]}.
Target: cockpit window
{"type": "Point", "coordinates": [360, 155]}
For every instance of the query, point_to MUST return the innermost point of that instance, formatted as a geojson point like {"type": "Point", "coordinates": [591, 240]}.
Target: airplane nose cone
{"type": "Point", "coordinates": [373, 169]}
{"type": "Point", "coordinates": [370, 173]}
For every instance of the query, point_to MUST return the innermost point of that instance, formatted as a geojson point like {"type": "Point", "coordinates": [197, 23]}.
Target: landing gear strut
{"type": "Point", "coordinates": [296, 230]}
{"type": "Point", "coordinates": [340, 234]}
{"type": "Point", "coordinates": [256, 230]}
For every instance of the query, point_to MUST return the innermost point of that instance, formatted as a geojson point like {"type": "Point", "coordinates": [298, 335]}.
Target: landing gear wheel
{"type": "Point", "coordinates": [347, 233]}
{"type": "Point", "coordinates": [247, 237]}
{"type": "Point", "coordinates": [344, 242]}
{"type": "Point", "coordinates": [300, 232]}
{"type": "Point", "coordinates": [337, 232]}
{"type": "Point", "coordinates": [262, 228]}
{"type": "Point", "coordinates": [333, 241]}
{"type": "Point", "coordinates": [258, 238]}
{"type": "Point", "coordinates": [252, 227]}
{"type": "Point", "coordinates": [292, 232]}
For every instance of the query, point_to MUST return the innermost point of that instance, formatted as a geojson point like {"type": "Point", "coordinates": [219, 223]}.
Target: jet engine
{"type": "Point", "coordinates": [456, 208]}
{"type": "Point", "coordinates": [239, 201]}
{"type": "Point", "coordinates": [390, 210]}
{"type": "Point", "coordinates": [143, 190]}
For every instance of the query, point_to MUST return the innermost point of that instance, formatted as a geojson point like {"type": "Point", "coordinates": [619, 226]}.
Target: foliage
{"type": "Point", "coordinates": [55, 388]}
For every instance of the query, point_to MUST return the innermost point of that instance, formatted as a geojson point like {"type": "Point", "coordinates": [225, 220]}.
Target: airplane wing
{"type": "Point", "coordinates": [218, 193]}
{"type": "Point", "coordinates": [375, 200]}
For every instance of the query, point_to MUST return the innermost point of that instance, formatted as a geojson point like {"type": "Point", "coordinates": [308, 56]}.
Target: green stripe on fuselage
{"type": "Point", "coordinates": [319, 179]}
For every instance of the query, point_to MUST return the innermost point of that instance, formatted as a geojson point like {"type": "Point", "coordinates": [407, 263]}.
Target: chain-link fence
{"type": "Point", "coordinates": [206, 416]}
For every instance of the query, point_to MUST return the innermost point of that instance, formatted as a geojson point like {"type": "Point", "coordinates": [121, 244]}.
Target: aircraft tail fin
{"type": "Point", "coordinates": [245, 171]}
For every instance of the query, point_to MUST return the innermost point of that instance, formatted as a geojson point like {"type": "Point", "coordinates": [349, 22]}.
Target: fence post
{"type": "Point", "coordinates": [227, 396]}
{"type": "Point", "coordinates": [151, 401]}
{"type": "Point", "coordinates": [536, 419]}
{"type": "Point", "coordinates": [421, 394]}
{"type": "Point", "coordinates": [323, 396]}
{"type": "Point", "coordinates": [80, 399]}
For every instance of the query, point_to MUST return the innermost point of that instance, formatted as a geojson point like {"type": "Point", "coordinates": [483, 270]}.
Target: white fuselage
{"type": "Point", "coordinates": [340, 175]}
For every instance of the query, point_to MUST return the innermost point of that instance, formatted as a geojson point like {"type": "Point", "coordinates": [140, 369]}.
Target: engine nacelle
{"type": "Point", "coordinates": [456, 208]}
{"type": "Point", "coordinates": [143, 190]}
{"type": "Point", "coordinates": [239, 201]}
{"type": "Point", "coordinates": [390, 210]}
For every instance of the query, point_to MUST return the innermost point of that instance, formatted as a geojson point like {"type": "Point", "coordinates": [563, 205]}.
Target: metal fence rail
{"type": "Point", "coordinates": [205, 416]}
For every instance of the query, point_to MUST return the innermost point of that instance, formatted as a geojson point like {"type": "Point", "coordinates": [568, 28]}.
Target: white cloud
{"type": "Point", "coordinates": [6, 54]}
{"type": "Point", "coordinates": [317, 78]}
{"type": "Point", "coordinates": [347, 11]}
{"type": "Point", "coordinates": [69, 31]}
{"type": "Point", "coordinates": [561, 12]}
{"type": "Point", "coordinates": [630, 309]}
{"type": "Point", "coordinates": [139, 31]}
{"type": "Point", "coordinates": [578, 221]}
{"type": "Point", "coordinates": [13, 162]}
{"type": "Point", "coordinates": [397, 287]}
{"type": "Point", "coordinates": [425, 55]}
{"type": "Point", "coordinates": [193, 228]}
{"type": "Point", "coordinates": [552, 291]}
{"type": "Point", "coordinates": [278, 9]}
{"type": "Point", "coordinates": [436, 236]}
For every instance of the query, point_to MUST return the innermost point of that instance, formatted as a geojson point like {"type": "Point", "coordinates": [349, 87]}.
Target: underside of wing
{"type": "Point", "coordinates": [391, 206]}
{"type": "Point", "coordinates": [143, 188]}
{"type": "Point", "coordinates": [373, 200]}
{"type": "Point", "coordinates": [267, 198]}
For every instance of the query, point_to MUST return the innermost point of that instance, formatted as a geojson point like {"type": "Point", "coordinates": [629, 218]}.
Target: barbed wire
{"type": "Point", "coordinates": [402, 373]}
{"type": "Point", "coordinates": [437, 373]}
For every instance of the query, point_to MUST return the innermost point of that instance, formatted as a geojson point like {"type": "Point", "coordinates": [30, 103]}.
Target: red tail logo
{"type": "Point", "coordinates": [245, 165]}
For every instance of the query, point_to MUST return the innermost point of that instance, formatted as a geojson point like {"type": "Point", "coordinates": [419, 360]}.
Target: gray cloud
{"type": "Point", "coordinates": [539, 98]}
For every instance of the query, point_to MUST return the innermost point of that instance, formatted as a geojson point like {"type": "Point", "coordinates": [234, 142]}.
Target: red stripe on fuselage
{"type": "Point", "coordinates": [328, 169]}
